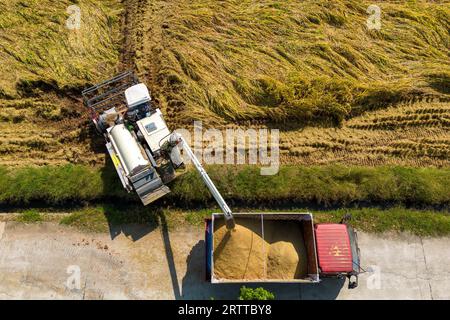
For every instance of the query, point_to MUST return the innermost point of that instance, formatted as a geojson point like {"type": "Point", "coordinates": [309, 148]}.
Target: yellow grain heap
{"type": "Point", "coordinates": [244, 254]}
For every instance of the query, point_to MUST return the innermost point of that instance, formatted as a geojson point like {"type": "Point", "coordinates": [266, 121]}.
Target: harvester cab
{"type": "Point", "coordinates": [143, 150]}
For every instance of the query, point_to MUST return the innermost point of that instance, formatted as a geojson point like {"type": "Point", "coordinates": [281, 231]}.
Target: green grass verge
{"type": "Point", "coordinates": [397, 219]}
{"type": "Point", "coordinates": [89, 219]}
{"type": "Point", "coordinates": [324, 186]}
{"type": "Point", "coordinates": [418, 222]}
{"type": "Point", "coordinates": [29, 216]}
{"type": "Point", "coordinates": [100, 218]}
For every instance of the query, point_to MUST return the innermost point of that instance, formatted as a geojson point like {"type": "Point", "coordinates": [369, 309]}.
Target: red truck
{"type": "Point", "coordinates": [331, 248]}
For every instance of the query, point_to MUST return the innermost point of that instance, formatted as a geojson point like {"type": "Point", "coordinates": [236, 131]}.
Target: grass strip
{"type": "Point", "coordinates": [332, 185]}
{"type": "Point", "coordinates": [373, 220]}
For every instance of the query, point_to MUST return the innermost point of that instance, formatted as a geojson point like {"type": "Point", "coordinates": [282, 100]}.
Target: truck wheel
{"type": "Point", "coordinates": [352, 284]}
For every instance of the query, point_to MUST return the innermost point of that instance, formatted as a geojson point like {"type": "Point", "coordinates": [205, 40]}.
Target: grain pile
{"type": "Point", "coordinates": [286, 258]}
{"type": "Point", "coordinates": [239, 254]}
{"type": "Point", "coordinates": [244, 254]}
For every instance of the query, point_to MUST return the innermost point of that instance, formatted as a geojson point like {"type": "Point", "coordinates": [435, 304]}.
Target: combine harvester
{"type": "Point", "coordinates": [146, 155]}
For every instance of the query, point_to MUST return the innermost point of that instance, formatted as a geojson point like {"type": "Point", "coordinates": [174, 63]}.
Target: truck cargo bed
{"type": "Point", "coordinates": [269, 247]}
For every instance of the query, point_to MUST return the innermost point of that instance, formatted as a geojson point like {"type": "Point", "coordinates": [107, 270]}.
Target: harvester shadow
{"type": "Point", "coordinates": [133, 223]}
{"type": "Point", "coordinates": [169, 257]}
{"type": "Point", "coordinates": [96, 141]}
{"type": "Point", "coordinates": [133, 231]}
{"type": "Point", "coordinates": [195, 286]}
{"type": "Point", "coordinates": [137, 230]}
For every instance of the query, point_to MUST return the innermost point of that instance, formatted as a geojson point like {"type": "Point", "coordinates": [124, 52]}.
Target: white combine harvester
{"type": "Point", "coordinates": [144, 151]}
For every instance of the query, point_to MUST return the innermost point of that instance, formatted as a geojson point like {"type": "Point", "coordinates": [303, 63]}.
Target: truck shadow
{"type": "Point", "coordinates": [195, 285]}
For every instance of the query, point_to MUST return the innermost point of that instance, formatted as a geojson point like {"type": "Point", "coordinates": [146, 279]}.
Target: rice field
{"type": "Point", "coordinates": [290, 63]}
{"type": "Point", "coordinates": [46, 130]}
{"type": "Point", "coordinates": [409, 134]}
{"type": "Point", "coordinates": [44, 66]}
{"type": "Point", "coordinates": [43, 48]}
{"type": "Point", "coordinates": [337, 91]}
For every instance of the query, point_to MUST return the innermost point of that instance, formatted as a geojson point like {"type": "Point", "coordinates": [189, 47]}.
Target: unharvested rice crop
{"type": "Point", "coordinates": [289, 62]}
{"type": "Point", "coordinates": [337, 91]}
{"type": "Point", "coordinates": [44, 66]}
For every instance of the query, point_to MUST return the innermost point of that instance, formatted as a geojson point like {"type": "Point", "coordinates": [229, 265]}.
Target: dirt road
{"type": "Point", "coordinates": [49, 261]}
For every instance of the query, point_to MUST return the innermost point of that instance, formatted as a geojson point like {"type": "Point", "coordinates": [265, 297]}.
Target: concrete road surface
{"type": "Point", "coordinates": [49, 261]}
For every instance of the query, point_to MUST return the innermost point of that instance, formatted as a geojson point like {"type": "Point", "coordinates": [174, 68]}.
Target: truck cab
{"type": "Point", "coordinates": [337, 251]}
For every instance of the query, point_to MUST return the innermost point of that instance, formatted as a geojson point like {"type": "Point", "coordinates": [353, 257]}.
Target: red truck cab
{"type": "Point", "coordinates": [338, 251]}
